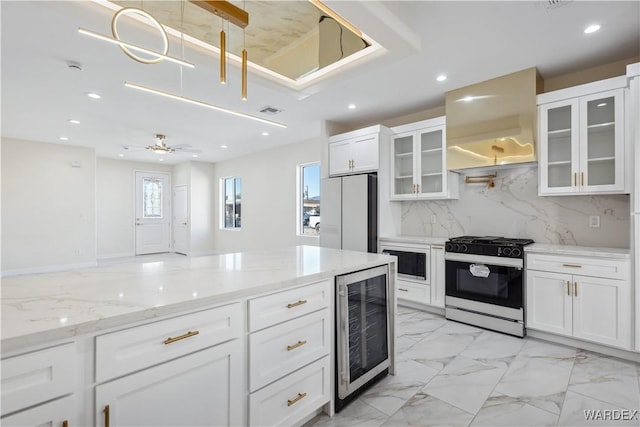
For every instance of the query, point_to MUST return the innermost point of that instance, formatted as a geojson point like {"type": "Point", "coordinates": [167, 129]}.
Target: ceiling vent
{"type": "Point", "coordinates": [554, 4]}
{"type": "Point", "coordinates": [270, 110]}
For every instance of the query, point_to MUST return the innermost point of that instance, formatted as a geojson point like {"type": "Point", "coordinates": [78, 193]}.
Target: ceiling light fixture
{"type": "Point", "coordinates": [592, 28]}
{"type": "Point", "coordinates": [162, 160]}
{"type": "Point", "coordinates": [441, 77]}
{"type": "Point", "coordinates": [224, 146]}
{"type": "Point", "coordinates": [200, 103]}
{"type": "Point", "coordinates": [352, 106]}
{"type": "Point", "coordinates": [127, 47]}
{"type": "Point", "coordinates": [121, 155]}
{"type": "Point", "coordinates": [74, 121]}
{"type": "Point", "coordinates": [265, 133]}
{"type": "Point", "coordinates": [64, 138]}
{"type": "Point", "coordinates": [93, 95]}
{"type": "Point", "coordinates": [160, 147]}
{"type": "Point", "coordinates": [194, 155]}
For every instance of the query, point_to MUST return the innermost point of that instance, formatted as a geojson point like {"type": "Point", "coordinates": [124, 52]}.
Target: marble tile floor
{"type": "Point", "coordinates": [451, 374]}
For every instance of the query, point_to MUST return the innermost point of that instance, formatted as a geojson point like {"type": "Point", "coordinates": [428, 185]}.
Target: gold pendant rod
{"type": "Point", "coordinates": [223, 57]}
{"type": "Point", "coordinates": [244, 74]}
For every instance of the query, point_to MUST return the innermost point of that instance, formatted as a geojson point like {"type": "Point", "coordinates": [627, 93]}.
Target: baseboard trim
{"type": "Point", "coordinates": [205, 253]}
{"type": "Point", "coordinates": [586, 345]}
{"type": "Point", "coordinates": [47, 269]}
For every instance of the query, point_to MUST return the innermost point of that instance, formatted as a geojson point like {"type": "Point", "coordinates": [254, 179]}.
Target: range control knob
{"type": "Point", "coordinates": [448, 247]}
{"type": "Point", "coordinates": [516, 253]}
{"type": "Point", "coordinates": [506, 251]}
{"type": "Point", "coordinates": [463, 248]}
{"type": "Point", "coordinates": [456, 247]}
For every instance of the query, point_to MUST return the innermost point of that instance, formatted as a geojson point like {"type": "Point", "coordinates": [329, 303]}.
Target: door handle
{"type": "Point", "coordinates": [138, 223]}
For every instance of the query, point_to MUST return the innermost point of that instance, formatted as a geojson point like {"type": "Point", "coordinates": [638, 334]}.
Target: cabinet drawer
{"type": "Point", "coordinates": [413, 292]}
{"type": "Point", "coordinates": [294, 397]}
{"type": "Point", "coordinates": [49, 414]}
{"type": "Point", "coordinates": [136, 348]}
{"type": "Point", "coordinates": [584, 266]}
{"type": "Point", "coordinates": [271, 309]}
{"type": "Point", "coordinates": [36, 377]}
{"type": "Point", "coordinates": [276, 351]}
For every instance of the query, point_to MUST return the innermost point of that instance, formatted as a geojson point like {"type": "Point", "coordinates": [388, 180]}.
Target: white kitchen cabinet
{"type": "Point", "coordinates": [582, 140]}
{"type": "Point", "coordinates": [58, 413]}
{"type": "Point", "coordinates": [29, 380]}
{"type": "Point", "coordinates": [413, 292]}
{"type": "Point", "coordinates": [437, 275]}
{"type": "Point", "coordinates": [355, 152]}
{"type": "Point", "coordinates": [289, 346]}
{"type": "Point", "coordinates": [203, 388]}
{"type": "Point", "coordinates": [419, 164]}
{"type": "Point", "coordinates": [573, 298]}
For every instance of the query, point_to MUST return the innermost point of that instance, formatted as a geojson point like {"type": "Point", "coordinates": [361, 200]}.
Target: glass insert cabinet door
{"type": "Point", "coordinates": [559, 127]}
{"type": "Point", "coordinates": [431, 165]}
{"type": "Point", "coordinates": [403, 165]}
{"type": "Point", "coordinates": [601, 157]}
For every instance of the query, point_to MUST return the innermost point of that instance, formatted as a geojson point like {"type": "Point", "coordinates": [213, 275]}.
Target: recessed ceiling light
{"type": "Point", "coordinates": [121, 155]}
{"type": "Point", "coordinates": [162, 160]}
{"type": "Point", "coordinates": [64, 138]}
{"type": "Point", "coordinates": [74, 121]}
{"type": "Point", "coordinates": [265, 133]}
{"type": "Point", "coordinates": [194, 155]}
{"type": "Point", "coordinates": [93, 95]}
{"type": "Point", "coordinates": [602, 104]}
{"type": "Point", "coordinates": [224, 146]}
{"type": "Point", "coordinates": [441, 77]}
{"type": "Point", "coordinates": [592, 28]}
{"type": "Point", "coordinates": [352, 106]}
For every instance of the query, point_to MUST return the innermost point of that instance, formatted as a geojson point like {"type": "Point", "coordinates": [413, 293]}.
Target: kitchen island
{"type": "Point", "coordinates": [188, 329]}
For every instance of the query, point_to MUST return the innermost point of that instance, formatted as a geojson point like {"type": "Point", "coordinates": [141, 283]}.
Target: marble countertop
{"type": "Point", "coordinates": [415, 240]}
{"type": "Point", "coordinates": [546, 248]}
{"type": "Point", "coordinates": [43, 308]}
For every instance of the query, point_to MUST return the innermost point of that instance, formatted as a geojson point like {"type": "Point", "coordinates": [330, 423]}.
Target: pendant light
{"type": "Point", "coordinates": [223, 54]}
{"type": "Point", "coordinates": [244, 70]}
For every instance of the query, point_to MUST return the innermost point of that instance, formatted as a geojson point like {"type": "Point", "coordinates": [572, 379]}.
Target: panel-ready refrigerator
{"type": "Point", "coordinates": [349, 214]}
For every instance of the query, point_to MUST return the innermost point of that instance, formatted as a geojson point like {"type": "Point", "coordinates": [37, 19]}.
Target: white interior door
{"type": "Point", "coordinates": [181, 219]}
{"type": "Point", "coordinates": [153, 218]}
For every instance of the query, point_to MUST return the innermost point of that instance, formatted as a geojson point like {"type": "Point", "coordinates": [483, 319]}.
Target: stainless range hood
{"type": "Point", "coordinates": [493, 123]}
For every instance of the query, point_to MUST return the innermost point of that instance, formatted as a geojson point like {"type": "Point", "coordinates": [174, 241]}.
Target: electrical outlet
{"type": "Point", "coordinates": [434, 219]}
{"type": "Point", "coordinates": [594, 221]}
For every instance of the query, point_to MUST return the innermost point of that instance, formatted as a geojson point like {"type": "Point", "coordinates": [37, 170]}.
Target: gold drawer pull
{"type": "Point", "coordinates": [403, 289]}
{"type": "Point", "coordinates": [181, 337]}
{"type": "Point", "coordinates": [568, 288]}
{"type": "Point", "coordinates": [440, 248]}
{"type": "Point", "coordinates": [575, 179]}
{"type": "Point", "coordinates": [572, 265]}
{"type": "Point", "coordinates": [295, 304]}
{"type": "Point", "coordinates": [65, 423]}
{"type": "Point", "coordinates": [106, 416]}
{"type": "Point", "coordinates": [575, 289]}
{"type": "Point", "coordinates": [296, 399]}
{"type": "Point", "coordinates": [296, 345]}
{"type": "Point", "coordinates": [582, 178]}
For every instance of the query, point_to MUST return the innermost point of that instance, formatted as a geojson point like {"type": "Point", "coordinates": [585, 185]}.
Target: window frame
{"type": "Point", "coordinates": [300, 197]}
{"type": "Point", "coordinates": [223, 203]}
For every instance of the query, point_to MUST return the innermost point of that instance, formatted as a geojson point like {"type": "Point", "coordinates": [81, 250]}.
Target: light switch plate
{"type": "Point", "coordinates": [594, 221]}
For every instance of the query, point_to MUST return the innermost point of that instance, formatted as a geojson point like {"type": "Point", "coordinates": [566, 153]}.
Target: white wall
{"type": "Point", "coordinates": [268, 197]}
{"type": "Point", "coordinates": [203, 191]}
{"type": "Point", "coordinates": [114, 201]}
{"type": "Point", "coordinates": [48, 206]}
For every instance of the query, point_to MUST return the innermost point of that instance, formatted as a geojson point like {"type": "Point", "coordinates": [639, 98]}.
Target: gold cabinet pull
{"type": "Point", "coordinates": [439, 248]}
{"type": "Point", "coordinates": [568, 288]}
{"type": "Point", "coordinates": [582, 178]}
{"type": "Point", "coordinates": [575, 179]}
{"type": "Point", "coordinates": [181, 337]}
{"type": "Point", "coordinates": [575, 289]}
{"type": "Point", "coordinates": [65, 423]}
{"type": "Point", "coordinates": [403, 290]}
{"type": "Point", "coordinates": [296, 345]}
{"type": "Point", "coordinates": [106, 416]}
{"type": "Point", "coordinates": [572, 265]}
{"type": "Point", "coordinates": [417, 188]}
{"type": "Point", "coordinates": [296, 399]}
{"type": "Point", "coordinates": [295, 304]}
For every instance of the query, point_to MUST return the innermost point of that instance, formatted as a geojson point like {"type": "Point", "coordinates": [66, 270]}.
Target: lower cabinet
{"type": "Point", "coordinates": [596, 309]}
{"type": "Point", "coordinates": [59, 413]}
{"type": "Point", "coordinates": [414, 292]}
{"type": "Point", "coordinates": [202, 388]}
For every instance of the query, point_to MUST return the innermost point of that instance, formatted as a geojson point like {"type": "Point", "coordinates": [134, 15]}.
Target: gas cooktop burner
{"type": "Point", "coordinates": [488, 245]}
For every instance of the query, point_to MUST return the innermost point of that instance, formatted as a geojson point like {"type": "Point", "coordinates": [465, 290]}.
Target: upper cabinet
{"type": "Point", "coordinates": [582, 149]}
{"type": "Point", "coordinates": [418, 162]}
{"type": "Point", "coordinates": [355, 152]}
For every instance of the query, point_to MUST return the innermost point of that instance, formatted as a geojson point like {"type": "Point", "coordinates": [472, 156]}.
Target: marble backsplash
{"type": "Point", "coordinates": [513, 209]}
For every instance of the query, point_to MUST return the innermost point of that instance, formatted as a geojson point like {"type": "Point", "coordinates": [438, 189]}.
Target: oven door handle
{"type": "Point", "coordinates": [484, 259]}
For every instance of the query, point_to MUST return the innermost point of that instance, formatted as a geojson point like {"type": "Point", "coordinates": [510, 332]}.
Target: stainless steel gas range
{"type": "Point", "coordinates": [485, 282]}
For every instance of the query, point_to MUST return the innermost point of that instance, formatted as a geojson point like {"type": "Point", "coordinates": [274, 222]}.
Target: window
{"type": "Point", "coordinates": [308, 217]}
{"type": "Point", "coordinates": [232, 201]}
{"type": "Point", "coordinates": [152, 198]}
